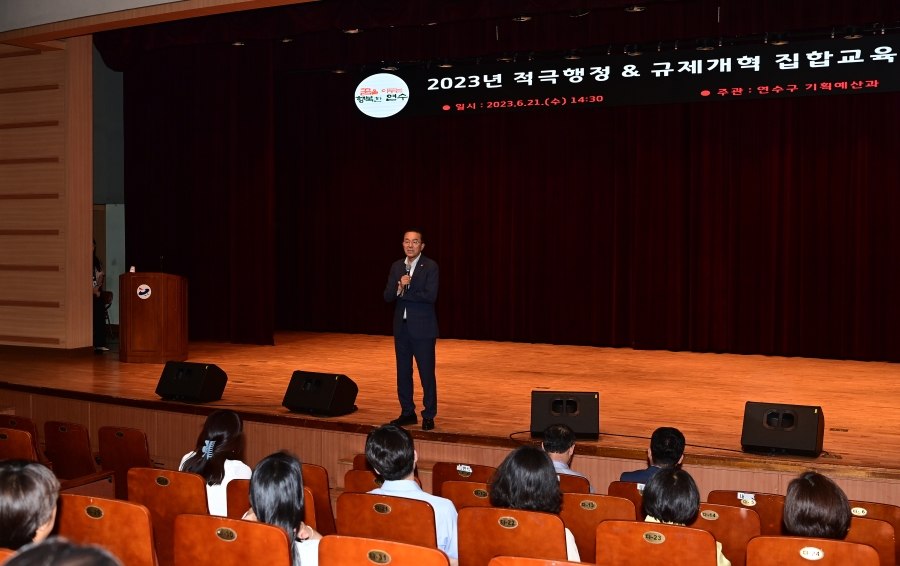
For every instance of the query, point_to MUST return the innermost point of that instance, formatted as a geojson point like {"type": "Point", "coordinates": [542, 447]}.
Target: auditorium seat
{"type": "Point", "coordinates": [455, 471]}
{"type": "Point", "coordinates": [520, 561]}
{"type": "Point", "coordinates": [466, 494]}
{"type": "Point", "coordinates": [582, 512]}
{"type": "Point", "coordinates": [6, 553]}
{"type": "Point", "coordinates": [121, 527]}
{"type": "Point", "coordinates": [316, 479]}
{"type": "Point", "coordinates": [631, 543]}
{"type": "Point", "coordinates": [632, 492]}
{"type": "Point", "coordinates": [732, 526]}
{"type": "Point", "coordinates": [882, 512]}
{"type": "Point", "coordinates": [877, 534]}
{"type": "Point", "coordinates": [339, 550]}
{"type": "Point", "coordinates": [574, 484]}
{"type": "Point", "coordinates": [360, 462]}
{"type": "Point", "coordinates": [69, 448]}
{"type": "Point", "coordinates": [16, 444]}
{"type": "Point", "coordinates": [384, 517]}
{"type": "Point", "coordinates": [803, 551]}
{"type": "Point", "coordinates": [237, 496]}
{"type": "Point", "coordinates": [166, 495]}
{"type": "Point", "coordinates": [120, 450]}
{"type": "Point", "coordinates": [364, 481]}
{"type": "Point", "coordinates": [486, 532]}
{"type": "Point", "coordinates": [206, 540]}
{"type": "Point", "coordinates": [24, 423]}
{"type": "Point", "coordinates": [770, 508]}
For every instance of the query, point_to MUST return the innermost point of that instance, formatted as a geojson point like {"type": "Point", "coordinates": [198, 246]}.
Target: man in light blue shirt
{"type": "Point", "coordinates": [390, 451]}
{"type": "Point", "coordinates": [559, 444]}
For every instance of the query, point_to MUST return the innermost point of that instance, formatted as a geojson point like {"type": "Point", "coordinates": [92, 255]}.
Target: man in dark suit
{"type": "Point", "coordinates": [413, 283]}
{"type": "Point", "coordinates": [666, 451]}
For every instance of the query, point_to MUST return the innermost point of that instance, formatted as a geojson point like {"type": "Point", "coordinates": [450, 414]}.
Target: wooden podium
{"type": "Point", "coordinates": [153, 318]}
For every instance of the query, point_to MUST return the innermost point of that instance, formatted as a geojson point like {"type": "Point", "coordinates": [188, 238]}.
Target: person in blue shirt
{"type": "Point", "coordinates": [390, 451]}
{"type": "Point", "coordinates": [559, 444]}
{"type": "Point", "coordinates": [666, 451]}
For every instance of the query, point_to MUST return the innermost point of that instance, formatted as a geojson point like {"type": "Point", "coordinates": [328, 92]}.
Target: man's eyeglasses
{"type": "Point", "coordinates": [413, 242]}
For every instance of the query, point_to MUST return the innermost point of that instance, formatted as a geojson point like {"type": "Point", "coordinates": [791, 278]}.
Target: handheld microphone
{"type": "Point", "coordinates": [407, 272]}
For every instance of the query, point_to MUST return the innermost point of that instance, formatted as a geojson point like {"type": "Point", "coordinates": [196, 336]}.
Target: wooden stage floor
{"type": "Point", "coordinates": [484, 391]}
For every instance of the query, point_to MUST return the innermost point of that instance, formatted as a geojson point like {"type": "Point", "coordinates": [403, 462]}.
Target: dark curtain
{"type": "Point", "coordinates": [749, 227]}
{"type": "Point", "coordinates": [199, 170]}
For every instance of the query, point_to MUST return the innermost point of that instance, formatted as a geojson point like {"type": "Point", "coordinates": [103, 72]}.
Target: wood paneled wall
{"type": "Point", "coordinates": [46, 188]}
{"type": "Point", "coordinates": [171, 435]}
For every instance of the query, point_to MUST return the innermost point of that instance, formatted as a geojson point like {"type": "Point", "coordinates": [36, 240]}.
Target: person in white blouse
{"type": "Point", "coordinates": [276, 498]}
{"type": "Point", "coordinates": [527, 480]}
{"type": "Point", "coordinates": [217, 457]}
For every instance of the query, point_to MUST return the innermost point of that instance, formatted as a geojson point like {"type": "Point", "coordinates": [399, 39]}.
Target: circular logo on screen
{"type": "Point", "coordinates": [381, 95]}
{"type": "Point", "coordinates": [143, 291]}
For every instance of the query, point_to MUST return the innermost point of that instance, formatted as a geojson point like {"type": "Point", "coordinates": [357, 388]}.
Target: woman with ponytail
{"type": "Point", "coordinates": [217, 457]}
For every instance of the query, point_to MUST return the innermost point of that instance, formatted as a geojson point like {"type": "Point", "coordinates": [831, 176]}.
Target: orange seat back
{"type": "Point", "coordinates": [237, 494]}
{"type": "Point", "coordinates": [882, 512]}
{"type": "Point", "coordinates": [769, 507]}
{"type": "Point", "coordinates": [120, 450]}
{"type": "Point", "coordinates": [360, 462]}
{"type": "Point", "coordinates": [316, 479]}
{"type": "Point", "coordinates": [574, 484]}
{"type": "Point", "coordinates": [632, 543]}
{"type": "Point", "coordinates": [121, 527]}
{"type": "Point", "coordinates": [25, 424]}
{"type": "Point", "coordinates": [732, 526]}
{"type": "Point", "coordinates": [803, 551]}
{"type": "Point", "coordinates": [351, 551]}
{"type": "Point", "coordinates": [364, 481]}
{"type": "Point", "coordinates": [454, 471]}
{"type": "Point", "coordinates": [466, 494]}
{"type": "Point", "coordinates": [6, 553]}
{"type": "Point", "coordinates": [205, 540]}
{"type": "Point", "coordinates": [519, 561]}
{"type": "Point", "coordinates": [166, 495]}
{"type": "Point", "coordinates": [384, 517]}
{"type": "Point", "coordinates": [632, 492]}
{"type": "Point", "coordinates": [877, 534]}
{"type": "Point", "coordinates": [486, 532]}
{"type": "Point", "coordinates": [16, 444]}
{"type": "Point", "coordinates": [69, 448]}
{"type": "Point", "coordinates": [582, 512]}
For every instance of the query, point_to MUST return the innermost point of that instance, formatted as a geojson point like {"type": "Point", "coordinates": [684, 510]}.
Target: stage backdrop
{"type": "Point", "coordinates": [750, 226]}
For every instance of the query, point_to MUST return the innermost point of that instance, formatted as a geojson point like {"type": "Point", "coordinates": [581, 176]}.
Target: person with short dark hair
{"type": "Point", "coordinates": [666, 451]}
{"type": "Point", "coordinates": [390, 451]}
{"type": "Point", "coordinates": [276, 498]}
{"type": "Point", "coordinates": [559, 444]}
{"type": "Point", "coordinates": [217, 457]}
{"type": "Point", "coordinates": [816, 507]}
{"type": "Point", "coordinates": [413, 283]}
{"type": "Point", "coordinates": [528, 480]}
{"type": "Point", "coordinates": [28, 494]}
{"type": "Point", "coordinates": [58, 551]}
{"type": "Point", "coordinates": [671, 496]}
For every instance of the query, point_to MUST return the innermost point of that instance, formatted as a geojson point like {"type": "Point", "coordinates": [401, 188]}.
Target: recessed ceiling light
{"type": "Point", "coordinates": [506, 58]}
{"type": "Point", "coordinates": [521, 18]}
{"type": "Point", "coordinates": [634, 8]}
{"type": "Point", "coordinates": [572, 55]}
{"type": "Point", "coordinates": [338, 71]}
{"type": "Point", "coordinates": [389, 67]}
{"type": "Point", "coordinates": [237, 43]}
{"type": "Point", "coordinates": [445, 64]}
{"type": "Point", "coordinates": [578, 13]}
{"type": "Point", "coordinates": [352, 31]}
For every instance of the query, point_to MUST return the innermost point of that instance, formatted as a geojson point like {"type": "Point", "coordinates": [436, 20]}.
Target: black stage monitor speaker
{"type": "Point", "coordinates": [323, 394]}
{"type": "Point", "coordinates": [773, 428]}
{"type": "Point", "coordinates": [580, 410]}
{"type": "Point", "coordinates": [186, 381]}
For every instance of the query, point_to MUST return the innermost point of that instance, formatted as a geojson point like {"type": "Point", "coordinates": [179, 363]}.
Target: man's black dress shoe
{"type": "Point", "coordinates": [404, 420]}
{"type": "Point", "coordinates": [427, 424]}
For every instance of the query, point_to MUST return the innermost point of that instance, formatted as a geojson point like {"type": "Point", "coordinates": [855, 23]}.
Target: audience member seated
{"type": "Point", "coordinates": [671, 497]}
{"type": "Point", "coordinates": [217, 457]}
{"type": "Point", "coordinates": [559, 444]}
{"type": "Point", "coordinates": [60, 552]}
{"type": "Point", "coordinates": [666, 451]}
{"type": "Point", "coordinates": [528, 480]}
{"type": "Point", "coordinates": [28, 494]}
{"type": "Point", "coordinates": [390, 451]}
{"type": "Point", "coordinates": [276, 498]}
{"type": "Point", "coordinates": [816, 507]}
